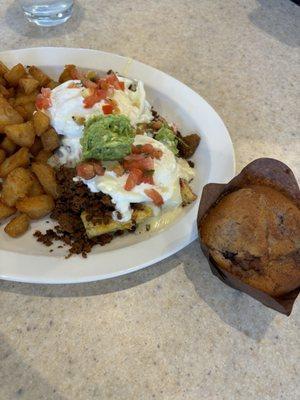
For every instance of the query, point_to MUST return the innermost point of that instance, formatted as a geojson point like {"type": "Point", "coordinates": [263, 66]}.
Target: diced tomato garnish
{"type": "Point", "coordinates": [85, 170]}
{"type": "Point", "coordinates": [133, 179]}
{"type": "Point", "coordinates": [110, 80]}
{"type": "Point", "coordinates": [107, 108]}
{"type": "Point", "coordinates": [88, 83]}
{"type": "Point", "coordinates": [72, 85]}
{"type": "Point", "coordinates": [46, 92]}
{"type": "Point", "coordinates": [147, 149]}
{"type": "Point", "coordinates": [98, 168]}
{"type": "Point", "coordinates": [157, 153]}
{"type": "Point", "coordinates": [95, 96]}
{"type": "Point", "coordinates": [145, 163]}
{"type": "Point", "coordinates": [154, 196]}
{"type": "Point", "coordinates": [43, 100]}
{"type": "Point", "coordinates": [148, 179]}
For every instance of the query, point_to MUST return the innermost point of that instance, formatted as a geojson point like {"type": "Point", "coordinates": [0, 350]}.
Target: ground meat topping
{"type": "Point", "coordinates": [75, 197]}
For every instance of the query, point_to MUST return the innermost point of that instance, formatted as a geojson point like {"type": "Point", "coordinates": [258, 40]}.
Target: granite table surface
{"type": "Point", "coordinates": [171, 331]}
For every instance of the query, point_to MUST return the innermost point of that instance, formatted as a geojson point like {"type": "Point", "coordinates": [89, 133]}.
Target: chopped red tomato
{"type": "Point", "coordinates": [72, 85]}
{"type": "Point", "coordinates": [147, 149]}
{"type": "Point", "coordinates": [154, 196]}
{"type": "Point", "coordinates": [145, 163]}
{"type": "Point", "coordinates": [98, 168]}
{"type": "Point", "coordinates": [46, 92]}
{"type": "Point", "coordinates": [134, 178]}
{"type": "Point", "coordinates": [107, 108]}
{"type": "Point", "coordinates": [148, 179]}
{"type": "Point", "coordinates": [43, 100]}
{"type": "Point", "coordinates": [95, 96]}
{"type": "Point", "coordinates": [85, 170]}
{"type": "Point", "coordinates": [110, 80]}
{"type": "Point", "coordinates": [89, 84]}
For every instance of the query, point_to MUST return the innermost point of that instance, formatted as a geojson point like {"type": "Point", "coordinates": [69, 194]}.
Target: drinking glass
{"type": "Point", "coordinates": [47, 12]}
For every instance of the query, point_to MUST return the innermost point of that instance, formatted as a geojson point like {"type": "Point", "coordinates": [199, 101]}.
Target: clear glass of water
{"type": "Point", "coordinates": [47, 12]}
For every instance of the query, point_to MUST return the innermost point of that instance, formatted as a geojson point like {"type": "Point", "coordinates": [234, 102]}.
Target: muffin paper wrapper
{"type": "Point", "coordinates": [263, 171]}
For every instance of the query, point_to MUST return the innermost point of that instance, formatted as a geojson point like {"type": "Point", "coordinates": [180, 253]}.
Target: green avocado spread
{"type": "Point", "coordinates": [166, 136]}
{"type": "Point", "coordinates": [107, 138]}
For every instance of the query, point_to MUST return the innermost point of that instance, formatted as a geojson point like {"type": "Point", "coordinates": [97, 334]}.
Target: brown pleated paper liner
{"type": "Point", "coordinates": [263, 171]}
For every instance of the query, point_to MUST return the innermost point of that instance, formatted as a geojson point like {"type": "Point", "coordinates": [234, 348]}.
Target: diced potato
{"type": "Point", "coordinates": [17, 226]}
{"type": "Point", "coordinates": [36, 188]}
{"type": "Point", "coordinates": [50, 139]}
{"type": "Point", "coordinates": [41, 122]}
{"type": "Point", "coordinates": [30, 109]}
{"type": "Point", "coordinates": [23, 99]}
{"type": "Point", "coordinates": [43, 156]}
{"type": "Point", "coordinates": [67, 75]}
{"type": "Point", "coordinates": [2, 156]}
{"type": "Point", "coordinates": [8, 145]}
{"type": "Point", "coordinates": [46, 175]}
{"type": "Point", "coordinates": [39, 75]}
{"type": "Point", "coordinates": [93, 230]}
{"type": "Point", "coordinates": [36, 147]}
{"type": "Point", "coordinates": [187, 194]}
{"type": "Point", "coordinates": [37, 206]}
{"type": "Point", "coordinates": [15, 74]}
{"type": "Point", "coordinates": [16, 185]}
{"type": "Point", "coordinates": [28, 84]}
{"type": "Point", "coordinates": [5, 92]}
{"type": "Point", "coordinates": [8, 115]}
{"type": "Point", "coordinates": [21, 110]}
{"type": "Point", "coordinates": [6, 211]}
{"type": "Point", "coordinates": [53, 84]}
{"type": "Point", "coordinates": [21, 134]}
{"type": "Point", "coordinates": [3, 69]}
{"type": "Point", "coordinates": [19, 159]}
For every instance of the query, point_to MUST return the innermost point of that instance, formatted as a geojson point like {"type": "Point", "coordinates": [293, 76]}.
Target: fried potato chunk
{"type": "Point", "coordinates": [43, 156]}
{"type": "Point", "coordinates": [8, 146]}
{"type": "Point", "coordinates": [98, 229]}
{"type": "Point", "coordinates": [50, 139]}
{"type": "Point", "coordinates": [36, 188]}
{"type": "Point", "coordinates": [6, 211]}
{"type": "Point", "coordinates": [16, 185]}
{"type": "Point", "coordinates": [3, 69]}
{"type": "Point", "coordinates": [15, 74]}
{"type": "Point", "coordinates": [2, 156]}
{"type": "Point", "coordinates": [28, 84]}
{"type": "Point", "coordinates": [39, 75]}
{"type": "Point", "coordinates": [8, 115]}
{"type": "Point", "coordinates": [23, 99]}
{"type": "Point", "coordinates": [37, 146]}
{"type": "Point", "coordinates": [46, 175]}
{"type": "Point", "coordinates": [41, 122]}
{"type": "Point", "coordinates": [19, 159]}
{"type": "Point", "coordinates": [21, 134]}
{"type": "Point", "coordinates": [187, 195]}
{"type": "Point", "coordinates": [17, 226]}
{"type": "Point", "coordinates": [36, 206]}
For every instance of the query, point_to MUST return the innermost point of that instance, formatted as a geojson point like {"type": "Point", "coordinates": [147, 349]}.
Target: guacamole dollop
{"type": "Point", "coordinates": [107, 137]}
{"type": "Point", "coordinates": [166, 136]}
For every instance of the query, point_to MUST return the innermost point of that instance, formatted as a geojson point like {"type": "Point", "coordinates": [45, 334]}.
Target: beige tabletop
{"type": "Point", "coordinates": [172, 331]}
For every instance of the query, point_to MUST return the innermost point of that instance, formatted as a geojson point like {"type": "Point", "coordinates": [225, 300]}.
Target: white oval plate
{"type": "Point", "coordinates": [25, 260]}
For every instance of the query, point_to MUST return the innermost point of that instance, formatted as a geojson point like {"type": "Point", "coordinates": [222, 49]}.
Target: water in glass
{"type": "Point", "coordinates": [47, 12]}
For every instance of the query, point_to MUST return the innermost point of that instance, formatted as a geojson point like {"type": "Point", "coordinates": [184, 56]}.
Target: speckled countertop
{"type": "Point", "coordinates": [172, 331]}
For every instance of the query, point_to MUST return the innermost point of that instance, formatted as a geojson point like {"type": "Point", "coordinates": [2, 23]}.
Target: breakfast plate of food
{"type": "Point", "coordinates": [102, 164]}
